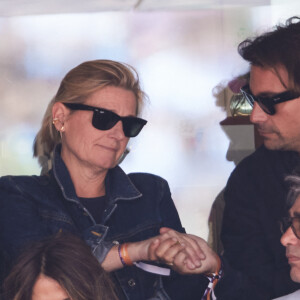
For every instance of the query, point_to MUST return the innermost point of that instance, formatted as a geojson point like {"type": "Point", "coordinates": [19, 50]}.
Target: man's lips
{"type": "Point", "coordinates": [292, 258]}
{"type": "Point", "coordinates": [263, 132]}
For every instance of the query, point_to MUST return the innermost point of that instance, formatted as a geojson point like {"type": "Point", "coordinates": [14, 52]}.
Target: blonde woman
{"type": "Point", "coordinates": [83, 136]}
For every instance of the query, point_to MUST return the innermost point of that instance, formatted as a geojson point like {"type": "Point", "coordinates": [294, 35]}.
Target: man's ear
{"type": "Point", "coordinates": [59, 114]}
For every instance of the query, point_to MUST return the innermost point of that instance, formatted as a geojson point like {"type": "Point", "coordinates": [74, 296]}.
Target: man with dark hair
{"type": "Point", "coordinates": [291, 228]}
{"type": "Point", "coordinates": [256, 192]}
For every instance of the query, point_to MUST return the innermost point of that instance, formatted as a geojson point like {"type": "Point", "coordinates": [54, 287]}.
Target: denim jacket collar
{"type": "Point", "coordinates": [118, 186]}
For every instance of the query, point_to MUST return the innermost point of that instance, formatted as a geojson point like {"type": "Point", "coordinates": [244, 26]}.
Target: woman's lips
{"type": "Point", "coordinates": [108, 148]}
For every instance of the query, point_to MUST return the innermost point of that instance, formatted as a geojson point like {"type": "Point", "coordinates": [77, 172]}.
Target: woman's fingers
{"type": "Point", "coordinates": [159, 249]}
{"type": "Point", "coordinates": [152, 249]}
{"type": "Point", "coordinates": [189, 241]}
{"type": "Point", "coordinates": [185, 253]}
{"type": "Point", "coordinates": [168, 249]}
{"type": "Point", "coordinates": [182, 264]}
{"type": "Point", "coordinates": [182, 237]}
{"type": "Point", "coordinates": [193, 248]}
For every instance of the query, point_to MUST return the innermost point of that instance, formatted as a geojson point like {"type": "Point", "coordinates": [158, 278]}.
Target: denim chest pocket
{"type": "Point", "coordinates": [137, 233]}
{"type": "Point", "coordinates": [55, 221]}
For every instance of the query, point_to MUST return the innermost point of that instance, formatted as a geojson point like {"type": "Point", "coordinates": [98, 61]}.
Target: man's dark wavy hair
{"type": "Point", "coordinates": [277, 48]}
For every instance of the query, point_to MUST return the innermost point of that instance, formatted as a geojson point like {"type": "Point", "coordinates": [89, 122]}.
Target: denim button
{"type": "Point", "coordinates": [131, 282]}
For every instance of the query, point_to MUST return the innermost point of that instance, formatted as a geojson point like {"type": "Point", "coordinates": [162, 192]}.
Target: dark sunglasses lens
{"type": "Point", "coordinates": [263, 103]}
{"type": "Point", "coordinates": [133, 126]}
{"type": "Point", "coordinates": [285, 224]}
{"type": "Point", "coordinates": [296, 227]}
{"type": "Point", "coordinates": [104, 120]}
{"type": "Point", "coordinates": [294, 223]}
{"type": "Point", "coordinates": [266, 106]}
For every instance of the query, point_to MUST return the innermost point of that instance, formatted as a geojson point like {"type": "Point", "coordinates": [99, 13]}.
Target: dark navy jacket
{"type": "Point", "coordinates": [255, 202]}
{"type": "Point", "coordinates": [33, 207]}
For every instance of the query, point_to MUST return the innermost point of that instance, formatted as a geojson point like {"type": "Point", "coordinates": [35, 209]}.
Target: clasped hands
{"type": "Point", "coordinates": [184, 253]}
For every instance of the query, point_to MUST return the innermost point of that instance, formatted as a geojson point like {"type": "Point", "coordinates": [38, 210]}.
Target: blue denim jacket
{"type": "Point", "coordinates": [33, 207]}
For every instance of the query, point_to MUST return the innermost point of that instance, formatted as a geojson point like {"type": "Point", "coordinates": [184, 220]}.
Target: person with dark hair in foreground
{"type": "Point", "coordinates": [58, 268]}
{"type": "Point", "coordinates": [290, 227]}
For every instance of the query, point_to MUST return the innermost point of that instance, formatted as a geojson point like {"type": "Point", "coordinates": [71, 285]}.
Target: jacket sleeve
{"type": "Point", "coordinates": [251, 240]}
{"type": "Point", "coordinates": [235, 285]}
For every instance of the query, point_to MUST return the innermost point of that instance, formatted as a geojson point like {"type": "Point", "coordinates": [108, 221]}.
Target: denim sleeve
{"type": "Point", "coordinates": [95, 237]}
{"type": "Point", "coordinates": [102, 250]}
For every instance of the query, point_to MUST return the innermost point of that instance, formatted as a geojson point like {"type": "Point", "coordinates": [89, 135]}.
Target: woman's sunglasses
{"type": "Point", "coordinates": [293, 222]}
{"type": "Point", "coordinates": [267, 104]}
{"type": "Point", "coordinates": [104, 119]}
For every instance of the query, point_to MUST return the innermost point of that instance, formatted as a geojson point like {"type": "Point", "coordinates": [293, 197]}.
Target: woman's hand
{"type": "Point", "coordinates": [188, 254]}
{"type": "Point", "coordinates": [166, 247]}
{"type": "Point", "coordinates": [170, 243]}
{"type": "Point", "coordinates": [184, 253]}
{"type": "Point", "coordinates": [155, 249]}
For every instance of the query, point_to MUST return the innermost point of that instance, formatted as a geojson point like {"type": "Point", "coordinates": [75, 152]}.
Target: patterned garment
{"type": "Point", "coordinates": [213, 280]}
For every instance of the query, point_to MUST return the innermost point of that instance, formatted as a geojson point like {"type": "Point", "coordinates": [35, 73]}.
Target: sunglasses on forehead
{"type": "Point", "coordinates": [104, 119]}
{"type": "Point", "coordinates": [267, 103]}
{"type": "Point", "coordinates": [293, 222]}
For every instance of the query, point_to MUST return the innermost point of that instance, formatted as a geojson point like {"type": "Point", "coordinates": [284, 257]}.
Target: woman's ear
{"type": "Point", "coordinates": [59, 114]}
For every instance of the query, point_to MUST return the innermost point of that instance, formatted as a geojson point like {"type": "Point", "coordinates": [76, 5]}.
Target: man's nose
{"type": "Point", "coordinates": [289, 238]}
{"type": "Point", "coordinates": [258, 115]}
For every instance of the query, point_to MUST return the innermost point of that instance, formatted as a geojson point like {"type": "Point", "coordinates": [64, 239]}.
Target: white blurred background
{"type": "Point", "coordinates": [185, 53]}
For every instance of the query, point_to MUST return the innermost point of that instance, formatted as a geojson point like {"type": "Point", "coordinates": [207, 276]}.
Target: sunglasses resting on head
{"type": "Point", "coordinates": [104, 119]}
{"type": "Point", "coordinates": [267, 103]}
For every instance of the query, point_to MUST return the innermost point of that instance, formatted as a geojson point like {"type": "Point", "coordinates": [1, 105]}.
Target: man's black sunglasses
{"type": "Point", "coordinates": [293, 222]}
{"type": "Point", "coordinates": [104, 119]}
{"type": "Point", "coordinates": [267, 104]}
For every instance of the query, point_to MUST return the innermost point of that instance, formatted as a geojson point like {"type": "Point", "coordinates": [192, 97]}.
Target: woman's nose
{"type": "Point", "coordinates": [258, 115]}
{"type": "Point", "coordinates": [117, 131]}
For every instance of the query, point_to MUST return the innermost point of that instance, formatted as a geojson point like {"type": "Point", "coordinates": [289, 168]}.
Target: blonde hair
{"type": "Point", "coordinates": [76, 86]}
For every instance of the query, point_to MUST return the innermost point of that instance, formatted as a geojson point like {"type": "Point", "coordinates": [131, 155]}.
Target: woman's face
{"type": "Point", "coordinates": [46, 288]}
{"type": "Point", "coordinates": [91, 147]}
